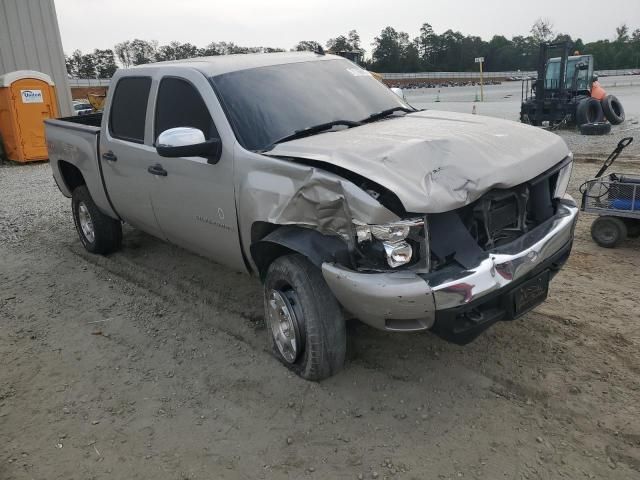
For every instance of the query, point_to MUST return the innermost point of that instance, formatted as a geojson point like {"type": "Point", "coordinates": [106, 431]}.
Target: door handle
{"type": "Point", "coordinates": [110, 156]}
{"type": "Point", "coordinates": [157, 170]}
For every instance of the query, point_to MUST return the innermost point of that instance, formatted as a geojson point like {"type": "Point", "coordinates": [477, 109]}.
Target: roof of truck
{"type": "Point", "coordinates": [219, 64]}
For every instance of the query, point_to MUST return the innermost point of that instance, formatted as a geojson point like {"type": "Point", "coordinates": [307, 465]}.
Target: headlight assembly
{"type": "Point", "coordinates": [392, 240]}
{"type": "Point", "coordinates": [564, 175]}
{"type": "Point", "coordinates": [398, 254]}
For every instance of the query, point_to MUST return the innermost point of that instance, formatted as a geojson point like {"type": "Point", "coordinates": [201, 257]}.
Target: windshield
{"type": "Point", "coordinates": [552, 79]}
{"type": "Point", "coordinates": [269, 103]}
{"type": "Point", "coordinates": [583, 77]}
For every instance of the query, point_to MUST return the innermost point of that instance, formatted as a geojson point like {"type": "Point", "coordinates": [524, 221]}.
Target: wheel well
{"type": "Point", "coordinates": [71, 175]}
{"type": "Point", "coordinates": [264, 252]}
{"type": "Point", "coordinates": [270, 241]}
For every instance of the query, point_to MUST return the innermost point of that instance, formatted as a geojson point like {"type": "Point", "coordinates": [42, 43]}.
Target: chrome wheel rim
{"type": "Point", "coordinates": [86, 225]}
{"type": "Point", "coordinates": [283, 321]}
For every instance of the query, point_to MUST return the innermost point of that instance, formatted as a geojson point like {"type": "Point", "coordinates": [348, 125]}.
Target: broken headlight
{"type": "Point", "coordinates": [396, 242]}
{"type": "Point", "coordinates": [562, 183]}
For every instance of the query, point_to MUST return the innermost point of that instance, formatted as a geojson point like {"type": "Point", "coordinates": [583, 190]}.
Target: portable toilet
{"type": "Point", "coordinates": [27, 98]}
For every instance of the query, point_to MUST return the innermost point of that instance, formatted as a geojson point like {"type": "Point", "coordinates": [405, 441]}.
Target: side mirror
{"type": "Point", "coordinates": [398, 92]}
{"type": "Point", "coordinates": [188, 142]}
{"type": "Point", "coordinates": [595, 78]}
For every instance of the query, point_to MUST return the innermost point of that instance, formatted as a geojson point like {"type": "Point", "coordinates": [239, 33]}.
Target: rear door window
{"type": "Point", "coordinates": [179, 104]}
{"type": "Point", "coordinates": [129, 109]}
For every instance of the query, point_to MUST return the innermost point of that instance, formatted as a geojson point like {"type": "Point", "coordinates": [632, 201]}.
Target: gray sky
{"type": "Point", "coordinates": [89, 24]}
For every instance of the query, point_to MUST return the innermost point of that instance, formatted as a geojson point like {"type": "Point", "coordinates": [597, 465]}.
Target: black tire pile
{"type": "Point", "coordinates": [595, 117]}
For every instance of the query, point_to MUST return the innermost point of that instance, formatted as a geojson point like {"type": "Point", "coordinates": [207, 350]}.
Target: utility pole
{"type": "Point", "coordinates": [480, 60]}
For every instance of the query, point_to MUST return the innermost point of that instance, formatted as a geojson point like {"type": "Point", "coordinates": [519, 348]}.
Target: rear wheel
{"type": "Point", "coordinates": [608, 232]}
{"type": "Point", "coordinates": [98, 232]}
{"type": "Point", "coordinates": [304, 320]}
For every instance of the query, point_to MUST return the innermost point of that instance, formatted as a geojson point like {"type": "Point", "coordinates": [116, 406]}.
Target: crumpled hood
{"type": "Point", "coordinates": [435, 161]}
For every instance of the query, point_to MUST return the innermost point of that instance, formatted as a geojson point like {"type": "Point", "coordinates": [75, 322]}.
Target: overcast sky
{"type": "Point", "coordinates": [89, 24]}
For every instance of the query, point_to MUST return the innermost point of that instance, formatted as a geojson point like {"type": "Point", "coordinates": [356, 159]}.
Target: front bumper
{"type": "Point", "coordinates": [409, 301]}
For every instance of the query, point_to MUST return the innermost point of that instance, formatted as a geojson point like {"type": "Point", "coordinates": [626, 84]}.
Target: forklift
{"type": "Point", "coordinates": [566, 91]}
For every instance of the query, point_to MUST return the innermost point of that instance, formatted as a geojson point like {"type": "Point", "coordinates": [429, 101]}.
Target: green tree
{"type": "Point", "coordinates": [176, 51]}
{"type": "Point", "coordinates": [105, 63]}
{"type": "Point", "coordinates": [542, 30]}
{"type": "Point", "coordinates": [427, 44]}
{"type": "Point", "coordinates": [394, 52]}
{"type": "Point", "coordinates": [354, 39]}
{"type": "Point", "coordinates": [338, 44]}
{"type": "Point", "coordinates": [86, 65]}
{"type": "Point", "coordinates": [73, 63]}
{"type": "Point", "coordinates": [622, 33]}
{"type": "Point", "coordinates": [344, 43]}
{"type": "Point", "coordinates": [136, 52]}
{"type": "Point", "coordinates": [307, 46]}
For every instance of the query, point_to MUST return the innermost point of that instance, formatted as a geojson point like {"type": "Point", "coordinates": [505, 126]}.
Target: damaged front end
{"type": "Point", "coordinates": [488, 261]}
{"type": "Point", "coordinates": [497, 218]}
{"type": "Point", "coordinates": [454, 272]}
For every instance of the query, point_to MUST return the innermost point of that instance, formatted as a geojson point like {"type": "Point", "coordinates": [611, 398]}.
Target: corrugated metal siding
{"type": "Point", "coordinates": [30, 40]}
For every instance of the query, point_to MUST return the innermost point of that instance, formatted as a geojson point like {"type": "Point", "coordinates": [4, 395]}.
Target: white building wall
{"type": "Point", "coordinates": [30, 40]}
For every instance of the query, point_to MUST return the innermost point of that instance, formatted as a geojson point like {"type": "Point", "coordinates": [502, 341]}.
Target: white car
{"type": "Point", "coordinates": [82, 108]}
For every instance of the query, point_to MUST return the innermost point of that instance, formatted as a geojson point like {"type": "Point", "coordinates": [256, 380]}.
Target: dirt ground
{"type": "Point", "coordinates": [151, 364]}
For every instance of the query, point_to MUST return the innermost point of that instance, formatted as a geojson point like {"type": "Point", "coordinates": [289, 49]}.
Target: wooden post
{"type": "Point", "coordinates": [480, 60]}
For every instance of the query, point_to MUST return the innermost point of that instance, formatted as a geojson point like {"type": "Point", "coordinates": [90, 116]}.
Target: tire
{"type": "Point", "coordinates": [299, 305]}
{"type": "Point", "coordinates": [613, 110]}
{"type": "Point", "coordinates": [589, 110]}
{"type": "Point", "coordinates": [608, 232]}
{"type": "Point", "coordinates": [601, 128]}
{"type": "Point", "coordinates": [633, 227]}
{"type": "Point", "coordinates": [98, 232]}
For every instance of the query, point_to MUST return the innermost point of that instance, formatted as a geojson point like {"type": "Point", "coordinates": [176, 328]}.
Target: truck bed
{"type": "Point", "coordinates": [92, 120]}
{"type": "Point", "coordinates": [74, 144]}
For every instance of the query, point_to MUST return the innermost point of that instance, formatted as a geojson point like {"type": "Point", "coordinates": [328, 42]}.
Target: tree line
{"type": "Point", "coordinates": [392, 51]}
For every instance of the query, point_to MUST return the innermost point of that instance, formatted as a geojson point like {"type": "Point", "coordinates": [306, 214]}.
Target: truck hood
{"type": "Point", "coordinates": [435, 161]}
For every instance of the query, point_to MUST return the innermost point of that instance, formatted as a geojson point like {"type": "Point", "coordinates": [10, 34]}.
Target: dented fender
{"type": "Point", "coordinates": [281, 192]}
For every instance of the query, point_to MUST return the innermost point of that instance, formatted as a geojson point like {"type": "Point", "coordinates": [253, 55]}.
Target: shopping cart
{"type": "Point", "coordinates": [616, 199]}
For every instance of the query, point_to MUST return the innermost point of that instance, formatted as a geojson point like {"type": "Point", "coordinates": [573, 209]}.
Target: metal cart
{"type": "Point", "coordinates": [616, 199]}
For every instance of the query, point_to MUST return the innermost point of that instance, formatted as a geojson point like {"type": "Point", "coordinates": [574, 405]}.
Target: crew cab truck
{"type": "Point", "coordinates": [347, 202]}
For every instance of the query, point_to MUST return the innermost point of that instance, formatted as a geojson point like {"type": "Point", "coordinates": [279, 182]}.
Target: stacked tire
{"type": "Point", "coordinates": [613, 110]}
{"type": "Point", "coordinates": [596, 117]}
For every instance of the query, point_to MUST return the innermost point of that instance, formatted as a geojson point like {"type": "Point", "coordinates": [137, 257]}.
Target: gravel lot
{"type": "Point", "coordinates": [151, 363]}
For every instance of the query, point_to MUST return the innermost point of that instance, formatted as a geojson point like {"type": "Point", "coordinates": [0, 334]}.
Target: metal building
{"type": "Point", "coordinates": [30, 40]}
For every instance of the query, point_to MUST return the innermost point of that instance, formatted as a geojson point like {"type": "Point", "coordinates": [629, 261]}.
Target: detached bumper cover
{"type": "Point", "coordinates": [409, 301]}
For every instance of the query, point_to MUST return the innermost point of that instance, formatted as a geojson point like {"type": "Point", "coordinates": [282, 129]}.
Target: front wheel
{"type": "Point", "coordinates": [98, 232]}
{"type": "Point", "coordinates": [304, 320]}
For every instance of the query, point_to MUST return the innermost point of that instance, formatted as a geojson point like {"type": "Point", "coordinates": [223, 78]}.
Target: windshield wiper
{"type": "Point", "coordinates": [307, 132]}
{"type": "Point", "coordinates": [385, 113]}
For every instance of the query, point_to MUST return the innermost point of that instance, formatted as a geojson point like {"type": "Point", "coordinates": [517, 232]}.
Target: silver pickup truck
{"type": "Point", "coordinates": [347, 202]}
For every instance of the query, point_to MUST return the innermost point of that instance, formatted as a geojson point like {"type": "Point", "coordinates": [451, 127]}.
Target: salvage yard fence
{"type": "Point", "coordinates": [453, 75]}
{"type": "Point", "coordinates": [488, 75]}
{"type": "Point", "coordinates": [462, 76]}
